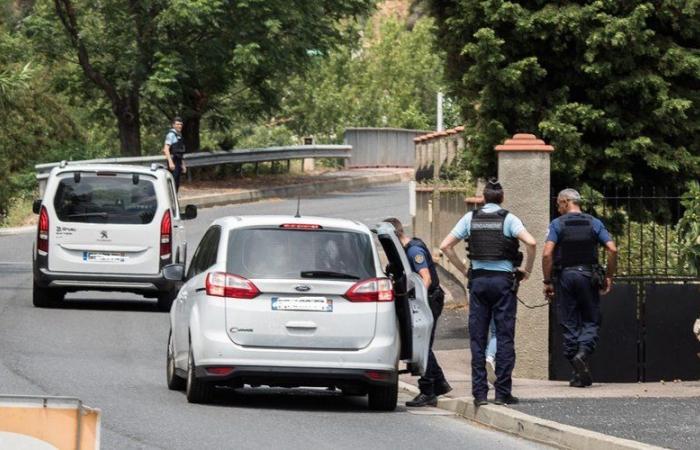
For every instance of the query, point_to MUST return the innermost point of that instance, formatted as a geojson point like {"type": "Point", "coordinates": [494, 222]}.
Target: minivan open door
{"type": "Point", "coordinates": [411, 300]}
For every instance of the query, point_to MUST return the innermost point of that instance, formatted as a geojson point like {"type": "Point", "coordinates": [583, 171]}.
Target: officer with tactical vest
{"type": "Point", "coordinates": [572, 273]}
{"type": "Point", "coordinates": [433, 383]}
{"type": "Point", "coordinates": [493, 238]}
{"type": "Point", "coordinates": [174, 150]}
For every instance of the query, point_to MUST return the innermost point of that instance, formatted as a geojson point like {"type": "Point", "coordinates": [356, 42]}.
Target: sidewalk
{"type": "Point", "coordinates": [662, 414]}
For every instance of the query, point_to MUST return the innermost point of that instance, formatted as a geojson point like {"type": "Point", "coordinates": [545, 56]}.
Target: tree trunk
{"type": "Point", "coordinates": [129, 121]}
{"type": "Point", "coordinates": [190, 132]}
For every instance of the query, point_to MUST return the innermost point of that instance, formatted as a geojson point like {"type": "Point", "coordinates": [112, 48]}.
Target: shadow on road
{"type": "Point", "coordinates": [299, 399]}
{"type": "Point", "coordinates": [110, 305]}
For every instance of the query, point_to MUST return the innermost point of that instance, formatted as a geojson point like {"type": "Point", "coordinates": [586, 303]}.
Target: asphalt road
{"type": "Point", "coordinates": [109, 350]}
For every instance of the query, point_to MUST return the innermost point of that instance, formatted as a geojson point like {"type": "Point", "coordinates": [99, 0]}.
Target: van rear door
{"type": "Point", "coordinates": [105, 222]}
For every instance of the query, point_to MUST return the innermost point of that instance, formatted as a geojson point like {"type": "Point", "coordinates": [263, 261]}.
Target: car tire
{"type": "Point", "coordinates": [175, 382]}
{"type": "Point", "coordinates": [197, 391]}
{"type": "Point", "coordinates": [166, 299]}
{"type": "Point", "coordinates": [46, 298]}
{"type": "Point", "coordinates": [383, 398]}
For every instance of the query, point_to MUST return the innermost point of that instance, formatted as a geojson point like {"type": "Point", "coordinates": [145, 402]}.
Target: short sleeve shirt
{"type": "Point", "coordinates": [417, 258]}
{"type": "Point", "coordinates": [512, 226]}
{"type": "Point", "coordinates": [171, 138]}
{"type": "Point", "coordinates": [598, 228]}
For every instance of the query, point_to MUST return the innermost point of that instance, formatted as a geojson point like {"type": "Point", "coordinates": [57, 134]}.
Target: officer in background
{"type": "Point", "coordinates": [493, 239]}
{"type": "Point", "coordinates": [174, 150]}
{"type": "Point", "coordinates": [571, 270]}
{"type": "Point", "coordinates": [433, 383]}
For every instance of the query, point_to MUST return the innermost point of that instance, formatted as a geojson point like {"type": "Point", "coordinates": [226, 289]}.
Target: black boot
{"type": "Point", "coordinates": [442, 388]}
{"type": "Point", "coordinates": [507, 400]}
{"type": "Point", "coordinates": [423, 400]}
{"type": "Point", "coordinates": [581, 369]}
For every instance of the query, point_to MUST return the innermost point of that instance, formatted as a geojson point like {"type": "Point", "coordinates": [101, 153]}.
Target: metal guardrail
{"type": "Point", "coordinates": [203, 159]}
{"type": "Point", "coordinates": [381, 147]}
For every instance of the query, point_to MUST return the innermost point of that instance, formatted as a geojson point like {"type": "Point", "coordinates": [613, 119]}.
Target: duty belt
{"type": "Point", "coordinates": [477, 273]}
{"type": "Point", "coordinates": [580, 268]}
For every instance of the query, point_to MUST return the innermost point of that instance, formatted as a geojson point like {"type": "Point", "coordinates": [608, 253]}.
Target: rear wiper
{"type": "Point", "coordinates": [328, 274]}
{"type": "Point", "coordinates": [95, 214]}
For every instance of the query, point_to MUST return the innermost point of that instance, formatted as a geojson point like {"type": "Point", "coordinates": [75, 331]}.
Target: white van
{"type": "Point", "coordinates": [108, 228]}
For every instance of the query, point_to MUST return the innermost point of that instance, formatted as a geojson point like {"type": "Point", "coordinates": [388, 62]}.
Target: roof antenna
{"type": "Point", "coordinates": [297, 215]}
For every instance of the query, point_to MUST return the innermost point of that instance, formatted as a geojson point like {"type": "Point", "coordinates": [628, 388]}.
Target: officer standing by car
{"type": "Point", "coordinates": [493, 236]}
{"type": "Point", "coordinates": [174, 150]}
{"type": "Point", "coordinates": [572, 273]}
{"type": "Point", "coordinates": [433, 383]}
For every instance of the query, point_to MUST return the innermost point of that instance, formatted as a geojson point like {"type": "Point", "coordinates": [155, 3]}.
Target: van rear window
{"type": "Point", "coordinates": [288, 253]}
{"type": "Point", "coordinates": [115, 199]}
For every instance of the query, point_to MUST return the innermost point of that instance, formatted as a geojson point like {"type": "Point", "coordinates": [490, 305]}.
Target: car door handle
{"type": "Point", "coordinates": [301, 324]}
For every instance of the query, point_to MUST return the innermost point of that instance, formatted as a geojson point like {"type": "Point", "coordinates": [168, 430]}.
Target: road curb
{"type": "Point", "coordinates": [530, 427]}
{"type": "Point", "coordinates": [253, 195]}
{"type": "Point", "coordinates": [306, 189]}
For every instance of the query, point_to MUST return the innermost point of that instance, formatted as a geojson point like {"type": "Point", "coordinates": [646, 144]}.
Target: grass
{"type": "Point", "coordinates": [20, 213]}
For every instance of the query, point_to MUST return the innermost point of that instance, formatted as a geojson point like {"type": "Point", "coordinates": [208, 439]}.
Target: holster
{"type": "Point", "coordinates": [598, 277]}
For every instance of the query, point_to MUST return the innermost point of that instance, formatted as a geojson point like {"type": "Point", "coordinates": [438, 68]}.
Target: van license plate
{"type": "Point", "coordinates": [320, 304]}
{"type": "Point", "coordinates": [104, 257]}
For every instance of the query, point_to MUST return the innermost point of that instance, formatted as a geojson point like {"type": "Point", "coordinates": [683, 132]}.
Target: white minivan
{"type": "Point", "coordinates": [297, 301]}
{"type": "Point", "coordinates": [108, 228]}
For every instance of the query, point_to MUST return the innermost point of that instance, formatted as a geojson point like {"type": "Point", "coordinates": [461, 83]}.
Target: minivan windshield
{"type": "Point", "coordinates": [111, 198]}
{"type": "Point", "coordinates": [288, 253]}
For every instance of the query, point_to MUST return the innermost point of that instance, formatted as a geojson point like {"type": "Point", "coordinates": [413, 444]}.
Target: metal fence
{"type": "Point", "coordinates": [381, 147]}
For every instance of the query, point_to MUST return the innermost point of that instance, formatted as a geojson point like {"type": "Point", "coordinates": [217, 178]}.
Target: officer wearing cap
{"type": "Point", "coordinates": [433, 383]}
{"type": "Point", "coordinates": [571, 272]}
{"type": "Point", "coordinates": [174, 150]}
{"type": "Point", "coordinates": [493, 238]}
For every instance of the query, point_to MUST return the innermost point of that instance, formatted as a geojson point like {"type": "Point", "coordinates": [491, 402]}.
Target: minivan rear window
{"type": "Point", "coordinates": [112, 198]}
{"type": "Point", "coordinates": [287, 253]}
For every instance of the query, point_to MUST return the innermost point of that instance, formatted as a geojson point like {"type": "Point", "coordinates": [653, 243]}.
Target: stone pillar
{"type": "Point", "coordinates": [524, 172]}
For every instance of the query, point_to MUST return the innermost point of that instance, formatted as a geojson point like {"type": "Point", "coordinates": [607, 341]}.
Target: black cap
{"type": "Point", "coordinates": [493, 184]}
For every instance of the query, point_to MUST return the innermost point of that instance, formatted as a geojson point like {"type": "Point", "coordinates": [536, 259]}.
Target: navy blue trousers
{"type": "Point", "coordinates": [433, 371]}
{"type": "Point", "coordinates": [177, 160]}
{"type": "Point", "coordinates": [578, 307]}
{"type": "Point", "coordinates": [492, 296]}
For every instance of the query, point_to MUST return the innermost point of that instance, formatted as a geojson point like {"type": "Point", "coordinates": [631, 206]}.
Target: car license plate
{"type": "Point", "coordinates": [320, 304]}
{"type": "Point", "coordinates": [104, 257]}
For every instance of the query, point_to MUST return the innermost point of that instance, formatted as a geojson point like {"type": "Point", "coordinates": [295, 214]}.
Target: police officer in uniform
{"type": "Point", "coordinates": [174, 150]}
{"type": "Point", "coordinates": [571, 272]}
{"type": "Point", "coordinates": [433, 383]}
{"type": "Point", "coordinates": [493, 239]}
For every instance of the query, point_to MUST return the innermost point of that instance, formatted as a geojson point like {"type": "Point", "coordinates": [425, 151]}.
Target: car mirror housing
{"type": "Point", "coordinates": [174, 272]}
{"type": "Point", "coordinates": [190, 212]}
{"type": "Point", "coordinates": [36, 206]}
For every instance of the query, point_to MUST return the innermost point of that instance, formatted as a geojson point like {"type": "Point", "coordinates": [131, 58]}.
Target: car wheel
{"type": "Point", "coordinates": [166, 299]}
{"type": "Point", "coordinates": [46, 298]}
{"type": "Point", "coordinates": [175, 383]}
{"type": "Point", "coordinates": [197, 391]}
{"type": "Point", "coordinates": [383, 398]}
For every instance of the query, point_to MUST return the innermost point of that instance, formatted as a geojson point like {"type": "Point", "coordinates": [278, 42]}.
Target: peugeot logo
{"type": "Point", "coordinates": [103, 235]}
{"type": "Point", "coordinates": [303, 288]}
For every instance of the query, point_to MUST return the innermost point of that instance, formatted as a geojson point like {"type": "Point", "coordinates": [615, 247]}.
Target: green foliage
{"type": "Point", "coordinates": [612, 84]}
{"type": "Point", "coordinates": [388, 79]}
{"type": "Point", "coordinates": [688, 229]}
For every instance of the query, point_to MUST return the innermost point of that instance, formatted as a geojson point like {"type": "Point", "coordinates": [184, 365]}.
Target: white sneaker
{"type": "Point", "coordinates": [490, 371]}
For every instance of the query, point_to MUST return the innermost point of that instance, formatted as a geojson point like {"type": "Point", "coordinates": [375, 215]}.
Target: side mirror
{"type": "Point", "coordinates": [174, 272]}
{"type": "Point", "coordinates": [190, 212]}
{"type": "Point", "coordinates": [36, 206]}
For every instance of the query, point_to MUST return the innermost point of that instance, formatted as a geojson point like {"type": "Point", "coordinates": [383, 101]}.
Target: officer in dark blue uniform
{"type": "Point", "coordinates": [174, 150]}
{"type": "Point", "coordinates": [493, 236]}
{"type": "Point", "coordinates": [433, 383]}
{"type": "Point", "coordinates": [572, 274]}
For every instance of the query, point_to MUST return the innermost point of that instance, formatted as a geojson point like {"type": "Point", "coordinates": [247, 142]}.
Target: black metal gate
{"type": "Point", "coordinates": [646, 332]}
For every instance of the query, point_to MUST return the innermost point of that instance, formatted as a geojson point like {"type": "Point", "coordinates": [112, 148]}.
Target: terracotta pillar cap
{"type": "Point", "coordinates": [523, 142]}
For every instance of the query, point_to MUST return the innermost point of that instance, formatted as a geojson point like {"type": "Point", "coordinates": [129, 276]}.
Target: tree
{"type": "Point", "coordinates": [612, 84]}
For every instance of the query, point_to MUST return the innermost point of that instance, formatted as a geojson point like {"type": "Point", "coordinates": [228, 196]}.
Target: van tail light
{"type": "Point", "coordinates": [166, 236]}
{"type": "Point", "coordinates": [372, 290]}
{"type": "Point", "coordinates": [42, 242]}
{"type": "Point", "coordinates": [220, 284]}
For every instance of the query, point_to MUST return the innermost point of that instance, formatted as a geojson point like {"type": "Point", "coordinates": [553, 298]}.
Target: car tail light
{"type": "Point", "coordinates": [301, 226]}
{"type": "Point", "coordinates": [221, 284]}
{"type": "Point", "coordinates": [221, 371]}
{"type": "Point", "coordinates": [372, 290]}
{"type": "Point", "coordinates": [166, 236]}
{"type": "Point", "coordinates": [42, 242]}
